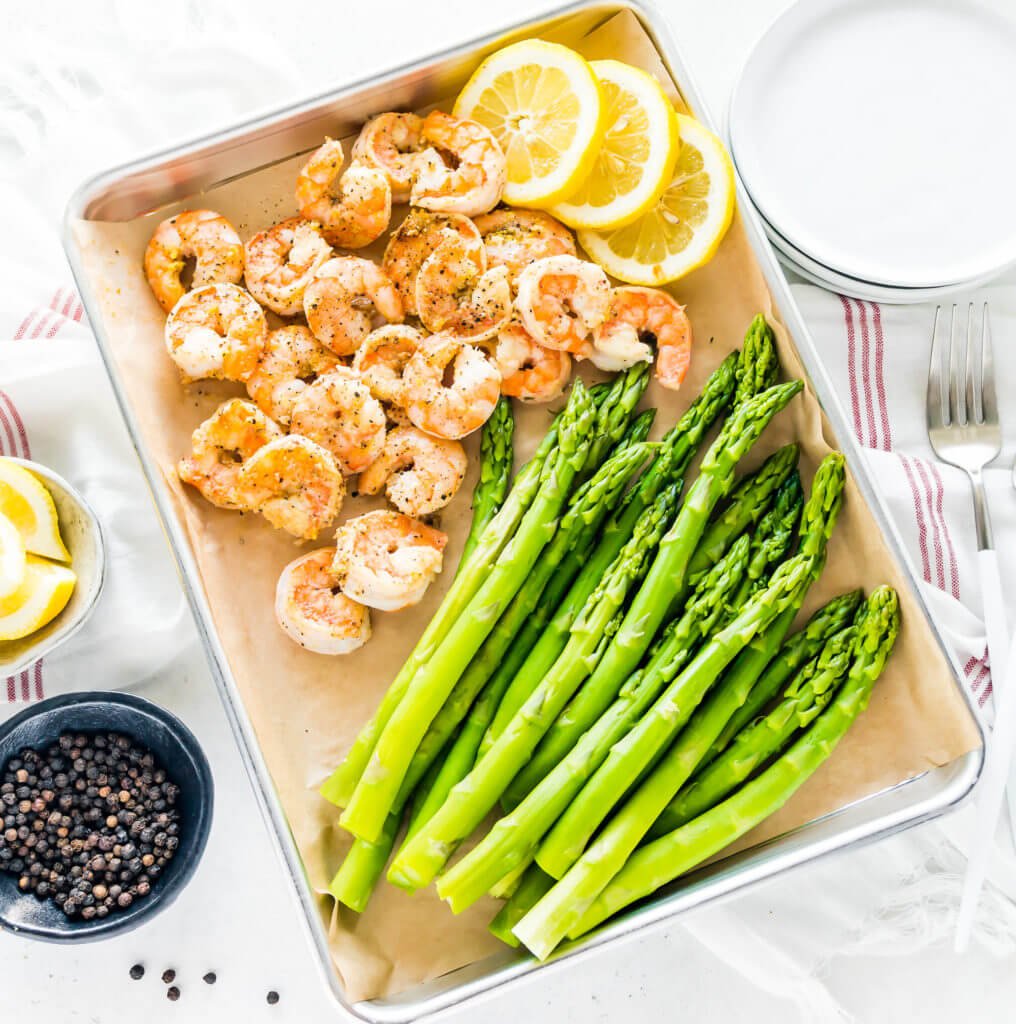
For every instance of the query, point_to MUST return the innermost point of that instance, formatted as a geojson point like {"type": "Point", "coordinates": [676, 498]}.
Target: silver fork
{"type": "Point", "coordinates": [964, 431]}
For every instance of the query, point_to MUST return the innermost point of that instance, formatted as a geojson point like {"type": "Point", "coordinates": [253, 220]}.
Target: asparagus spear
{"type": "Point", "coordinates": [653, 601]}
{"type": "Point", "coordinates": [681, 850]}
{"type": "Point", "coordinates": [426, 853]}
{"type": "Point", "coordinates": [362, 866]}
{"type": "Point", "coordinates": [801, 648]}
{"type": "Point", "coordinates": [546, 633]}
{"type": "Point", "coordinates": [806, 696]}
{"type": "Point", "coordinates": [496, 455]}
{"type": "Point", "coordinates": [338, 788]}
{"type": "Point", "coordinates": [379, 785]}
{"type": "Point", "coordinates": [534, 886]}
{"type": "Point", "coordinates": [759, 364]}
{"type": "Point", "coordinates": [513, 839]}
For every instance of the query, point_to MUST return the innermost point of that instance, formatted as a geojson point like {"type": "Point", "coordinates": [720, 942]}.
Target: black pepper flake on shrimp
{"type": "Point", "coordinates": [89, 823]}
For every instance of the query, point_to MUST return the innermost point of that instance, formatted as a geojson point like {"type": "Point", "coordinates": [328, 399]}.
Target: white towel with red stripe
{"type": "Point", "coordinates": [57, 407]}
{"type": "Point", "coordinates": [877, 356]}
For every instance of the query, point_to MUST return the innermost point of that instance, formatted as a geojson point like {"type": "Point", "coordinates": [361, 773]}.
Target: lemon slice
{"type": "Point", "coordinates": [635, 161]}
{"type": "Point", "coordinates": [43, 594]}
{"type": "Point", "coordinates": [543, 103]}
{"type": "Point", "coordinates": [12, 558]}
{"type": "Point", "coordinates": [29, 506]}
{"type": "Point", "coordinates": [685, 226]}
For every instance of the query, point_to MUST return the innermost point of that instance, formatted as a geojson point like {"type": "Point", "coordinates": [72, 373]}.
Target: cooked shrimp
{"type": "Point", "coordinates": [347, 299]}
{"type": "Point", "coordinates": [292, 359]}
{"type": "Point", "coordinates": [455, 295]}
{"type": "Point", "coordinates": [220, 446]}
{"type": "Point", "coordinates": [203, 236]}
{"type": "Point", "coordinates": [642, 319]}
{"type": "Point", "coordinates": [514, 238]}
{"type": "Point", "coordinates": [313, 611]}
{"type": "Point", "coordinates": [462, 169]}
{"type": "Point", "coordinates": [386, 559]}
{"type": "Point", "coordinates": [282, 261]}
{"type": "Point", "coordinates": [389, 143]}
{"type": "Point", "coordinates": [562, 300]}
{"type": "Point", "coordinates": [416, 238]}
{"type": "Point", "coordinates": [353, 208]}
{"type": "Point", "coordinates": [380, 362]}
{"type": "Point", "coordinates": [451, 387]}
{"type": "Point", "coordinates": [528, 370]}
{"type": "Point", "coordinates": [340, 414]}
{"type": "Point", "coordinates": [216, 331]}
{"type": "Point", "coordinates": [294, 483]}
{"type": "Point", "coordinates": [422, 473]}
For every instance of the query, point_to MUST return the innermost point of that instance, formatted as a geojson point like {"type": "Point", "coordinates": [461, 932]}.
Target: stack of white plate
{"type": "Point", "coordinates": [877, 140]}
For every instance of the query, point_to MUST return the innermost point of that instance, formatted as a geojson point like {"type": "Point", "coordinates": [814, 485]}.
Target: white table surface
{"type": "Point", "coordinates": [238, 917]}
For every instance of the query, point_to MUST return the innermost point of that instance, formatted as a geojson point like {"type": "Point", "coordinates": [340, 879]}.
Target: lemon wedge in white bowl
{"type": "Point", "coordinates": [81, 555]}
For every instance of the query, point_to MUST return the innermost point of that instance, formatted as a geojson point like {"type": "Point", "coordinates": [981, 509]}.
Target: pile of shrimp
{"type": "Point", "coordinates": [376, 369]}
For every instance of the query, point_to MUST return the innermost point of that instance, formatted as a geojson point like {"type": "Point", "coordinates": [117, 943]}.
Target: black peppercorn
{"type": "Point", "coordinates": [137, 972]}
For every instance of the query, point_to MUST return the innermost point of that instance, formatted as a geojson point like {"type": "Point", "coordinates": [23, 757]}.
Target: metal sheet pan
{"type": "Point", "coordinates": [162, 178]}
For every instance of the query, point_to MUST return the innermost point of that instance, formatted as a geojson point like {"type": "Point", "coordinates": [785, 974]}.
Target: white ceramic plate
{"type": "Point", "coordinates": [818, 274]}
{"type": "Point", "coordinates": [875, 135]}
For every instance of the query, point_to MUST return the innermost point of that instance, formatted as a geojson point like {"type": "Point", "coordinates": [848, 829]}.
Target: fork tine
{"type": "Point", "coordinates": [935, 402]}
{"type": "Point", "coordinates": [989, 404]}
{"type": "Point", "coordinates": [971, 379]}
{"type": "Point", "coordinates": [955, 387]}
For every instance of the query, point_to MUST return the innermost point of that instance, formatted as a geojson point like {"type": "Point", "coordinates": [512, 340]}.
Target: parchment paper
{"type": "Point", "coordinates": [307, 708]}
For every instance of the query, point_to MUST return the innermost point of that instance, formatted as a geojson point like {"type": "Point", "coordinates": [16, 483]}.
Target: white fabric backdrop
{"type": "Point", "coordinates": [862, 936]}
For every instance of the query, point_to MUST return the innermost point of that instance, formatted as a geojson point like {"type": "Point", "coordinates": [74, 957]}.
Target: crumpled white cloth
{"type": "Point", "coordinates": [96, 89]}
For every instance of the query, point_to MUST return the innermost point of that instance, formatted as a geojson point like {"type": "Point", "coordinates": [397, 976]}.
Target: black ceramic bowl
{"type": "Point", "coordinates": [173, 745]}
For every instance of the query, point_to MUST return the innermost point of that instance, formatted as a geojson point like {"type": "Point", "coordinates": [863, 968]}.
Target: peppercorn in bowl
{"type": "Point", "coordinates": [105, 805]}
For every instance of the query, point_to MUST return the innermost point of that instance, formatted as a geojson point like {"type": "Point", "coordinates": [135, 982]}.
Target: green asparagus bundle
{"type": "Point", "coordinates": [548, 922]}
{"type": "Point", "coordinates": [681, 850]}
{"type": "Point", "coordinates": [545, 635]}
{"type": "Point", "coordinates": [513, 839]}
{"type": "Point", "coordinates": [667, 575]}
{"type": "Point", "coordinates": [497, 451]}
{"type": "Point", "coordinates": [567, 840]}
{"type": "Point", "coordinates": [589, 505]}
{"type": "Point", "coordinates": [806, 696]}
{"type": "Point", "coordinates": [425, 854]}
{"type": "Point", "coordinates": [749, 501]}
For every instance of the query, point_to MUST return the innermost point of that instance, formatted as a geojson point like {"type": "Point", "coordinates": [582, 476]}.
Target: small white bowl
{"type": "Point", "coordinates": [81, 532]}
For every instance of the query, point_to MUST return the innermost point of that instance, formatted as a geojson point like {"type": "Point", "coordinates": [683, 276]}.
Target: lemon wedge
{"type": "Point", "coordinates": [635, 161]}
{"type": "Point", "coordinates": [543, 103]}
{"type": "Point", "coordinates": [25, 501]}
{"type": "Point", "coordinates": [684, 227]}
{"type": "Point", "coordinates": [43, 594]}
{"type": "Point", "coordinates": [12, 558]}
